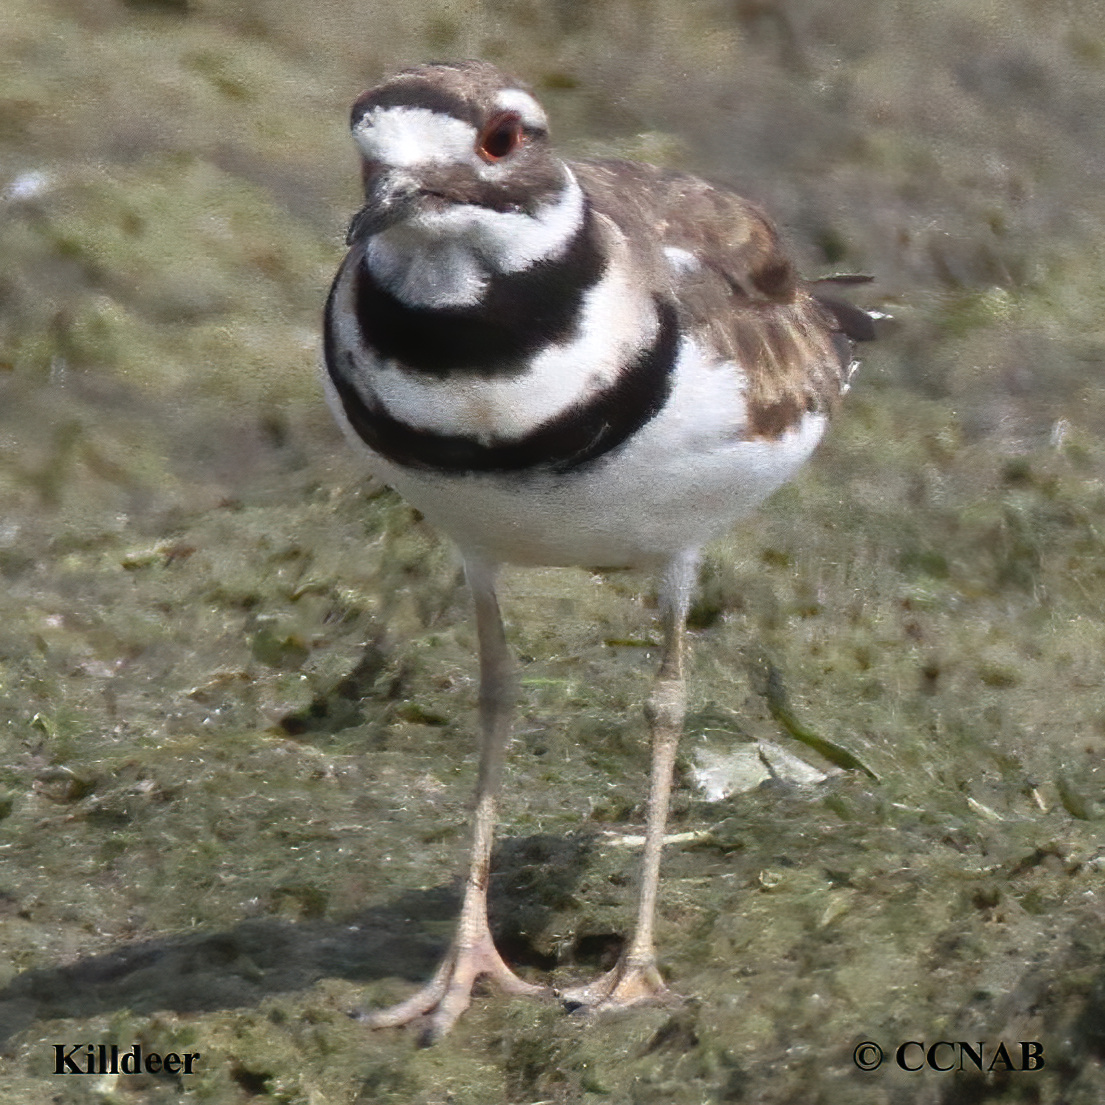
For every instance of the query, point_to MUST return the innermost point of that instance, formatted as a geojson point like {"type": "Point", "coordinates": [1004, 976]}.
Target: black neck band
{"type": "Point", "coordinates": [519, 313]}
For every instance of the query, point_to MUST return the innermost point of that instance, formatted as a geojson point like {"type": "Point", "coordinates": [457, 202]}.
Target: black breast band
{"type": "Point", "coordinates": [568, 441]}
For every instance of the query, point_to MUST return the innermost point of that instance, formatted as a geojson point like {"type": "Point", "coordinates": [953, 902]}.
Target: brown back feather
{"type": "Point", "coordinates": [745, 299]}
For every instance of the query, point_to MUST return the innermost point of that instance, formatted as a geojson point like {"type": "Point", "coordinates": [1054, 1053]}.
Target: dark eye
{"type": "Point", "coordinates": [501, 136]}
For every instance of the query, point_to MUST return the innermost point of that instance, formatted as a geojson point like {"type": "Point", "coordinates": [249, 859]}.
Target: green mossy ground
{"type": "Point", "coordinates": [237, 679]}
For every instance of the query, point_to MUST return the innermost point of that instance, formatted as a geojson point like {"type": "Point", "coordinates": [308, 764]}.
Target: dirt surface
{"type": "Point", "coordinates": [237, 694]}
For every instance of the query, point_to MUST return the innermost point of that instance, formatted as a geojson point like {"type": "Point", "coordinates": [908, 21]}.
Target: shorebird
{"type": "Point", "coordinates": [595, 363]}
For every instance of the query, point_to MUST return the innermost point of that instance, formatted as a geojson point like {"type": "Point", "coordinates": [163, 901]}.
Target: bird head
{"type": "Point", "coordinates": [458, 171]}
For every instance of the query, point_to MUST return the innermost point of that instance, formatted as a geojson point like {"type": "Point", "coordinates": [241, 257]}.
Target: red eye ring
{"type": "Point", "coordinates": [501, 136]}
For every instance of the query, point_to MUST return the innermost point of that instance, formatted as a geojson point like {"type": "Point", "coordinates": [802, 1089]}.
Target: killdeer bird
{"type": "Point", "coordinates": [564, 363]}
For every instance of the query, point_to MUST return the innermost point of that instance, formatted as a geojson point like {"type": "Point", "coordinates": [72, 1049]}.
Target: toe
{"type": "Point", "coordinates": [627, 984]}
{"type": "Point", "coordinates": [449, 994]}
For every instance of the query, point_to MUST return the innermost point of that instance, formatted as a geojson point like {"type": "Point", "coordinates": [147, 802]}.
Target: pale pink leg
{"type": "Point", "coordinates": [635, 977]}
{"type": "Point", "coordinates": [472, 954]}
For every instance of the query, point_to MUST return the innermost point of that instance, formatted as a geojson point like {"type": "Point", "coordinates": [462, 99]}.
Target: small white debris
{"type": "Point", "coordinates": [100, 669]}
{"type": "Point", "coordinates": [721, 773]}
{"type": "Point", "coordinates": [637, 840]}
{"type": "Point", "coordinates": [787, 767]}
{"type": "Point", "coordinates": [27, 186]}
{"type": "Point", "coordinates": [985, 811]}
{"type": "Point", "coordinates": [717, 774]}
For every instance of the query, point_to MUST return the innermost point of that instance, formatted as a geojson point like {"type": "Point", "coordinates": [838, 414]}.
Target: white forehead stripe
{"type": "Point", "coordinates": [514, 99]}
{"type": "Point", "coordinates": [403, 136]}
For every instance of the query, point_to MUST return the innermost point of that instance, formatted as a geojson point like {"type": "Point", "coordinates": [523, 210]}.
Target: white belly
{"type": "Point", "coordinates": [683, 479]}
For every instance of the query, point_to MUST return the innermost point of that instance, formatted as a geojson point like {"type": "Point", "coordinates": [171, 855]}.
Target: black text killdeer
{"type": "Point", "coordinates": [574, 363]}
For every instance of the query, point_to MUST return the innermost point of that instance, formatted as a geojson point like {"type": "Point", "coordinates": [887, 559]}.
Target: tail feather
{"type": "Point", "coordinates": [854, 322]}
{"type": "Point", "coordinates": [841, 278]}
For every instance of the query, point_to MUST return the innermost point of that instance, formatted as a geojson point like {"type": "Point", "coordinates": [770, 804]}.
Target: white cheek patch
{"type": "Point", "coordinates": [405, 136]}
{"type": "Point", "coordinates": [531, 112]}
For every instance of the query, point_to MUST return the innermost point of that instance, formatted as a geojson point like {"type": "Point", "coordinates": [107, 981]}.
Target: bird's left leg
{"type": "Point", "coordinates": [635, 977]}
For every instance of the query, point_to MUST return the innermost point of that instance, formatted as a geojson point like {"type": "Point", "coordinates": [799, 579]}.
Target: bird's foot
{"type": "Point", "coordinates": [632, 982]}
{"type": "Point", "coordinates": [449, 992]}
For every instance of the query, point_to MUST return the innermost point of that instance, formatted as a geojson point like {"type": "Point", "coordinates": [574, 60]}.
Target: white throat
{"type": "Point", "coordinates": [445, 257]}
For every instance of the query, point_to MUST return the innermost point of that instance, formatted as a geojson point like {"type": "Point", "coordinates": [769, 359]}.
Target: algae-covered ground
{"type": "Point", "coordinates": [237, 678]}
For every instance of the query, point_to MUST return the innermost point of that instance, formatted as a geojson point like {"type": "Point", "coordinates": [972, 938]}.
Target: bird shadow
{"type": "Point", "coordinates": [238, 967]}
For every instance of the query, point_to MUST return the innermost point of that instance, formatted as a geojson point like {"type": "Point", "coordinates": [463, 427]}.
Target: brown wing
{"type": "Point", "coordinates": [743, 296]}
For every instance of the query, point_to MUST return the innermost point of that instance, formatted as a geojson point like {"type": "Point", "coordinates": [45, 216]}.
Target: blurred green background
{"type": "Point", "coordinates": [237, 678]}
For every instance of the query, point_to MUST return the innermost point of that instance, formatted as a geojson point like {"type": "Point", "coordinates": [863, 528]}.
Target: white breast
{"type": "Point", "coordinates": [683, 479]}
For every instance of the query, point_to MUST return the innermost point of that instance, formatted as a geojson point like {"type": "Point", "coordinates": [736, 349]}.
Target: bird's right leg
{"type": "Point", "coordinates": [472, 953]}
